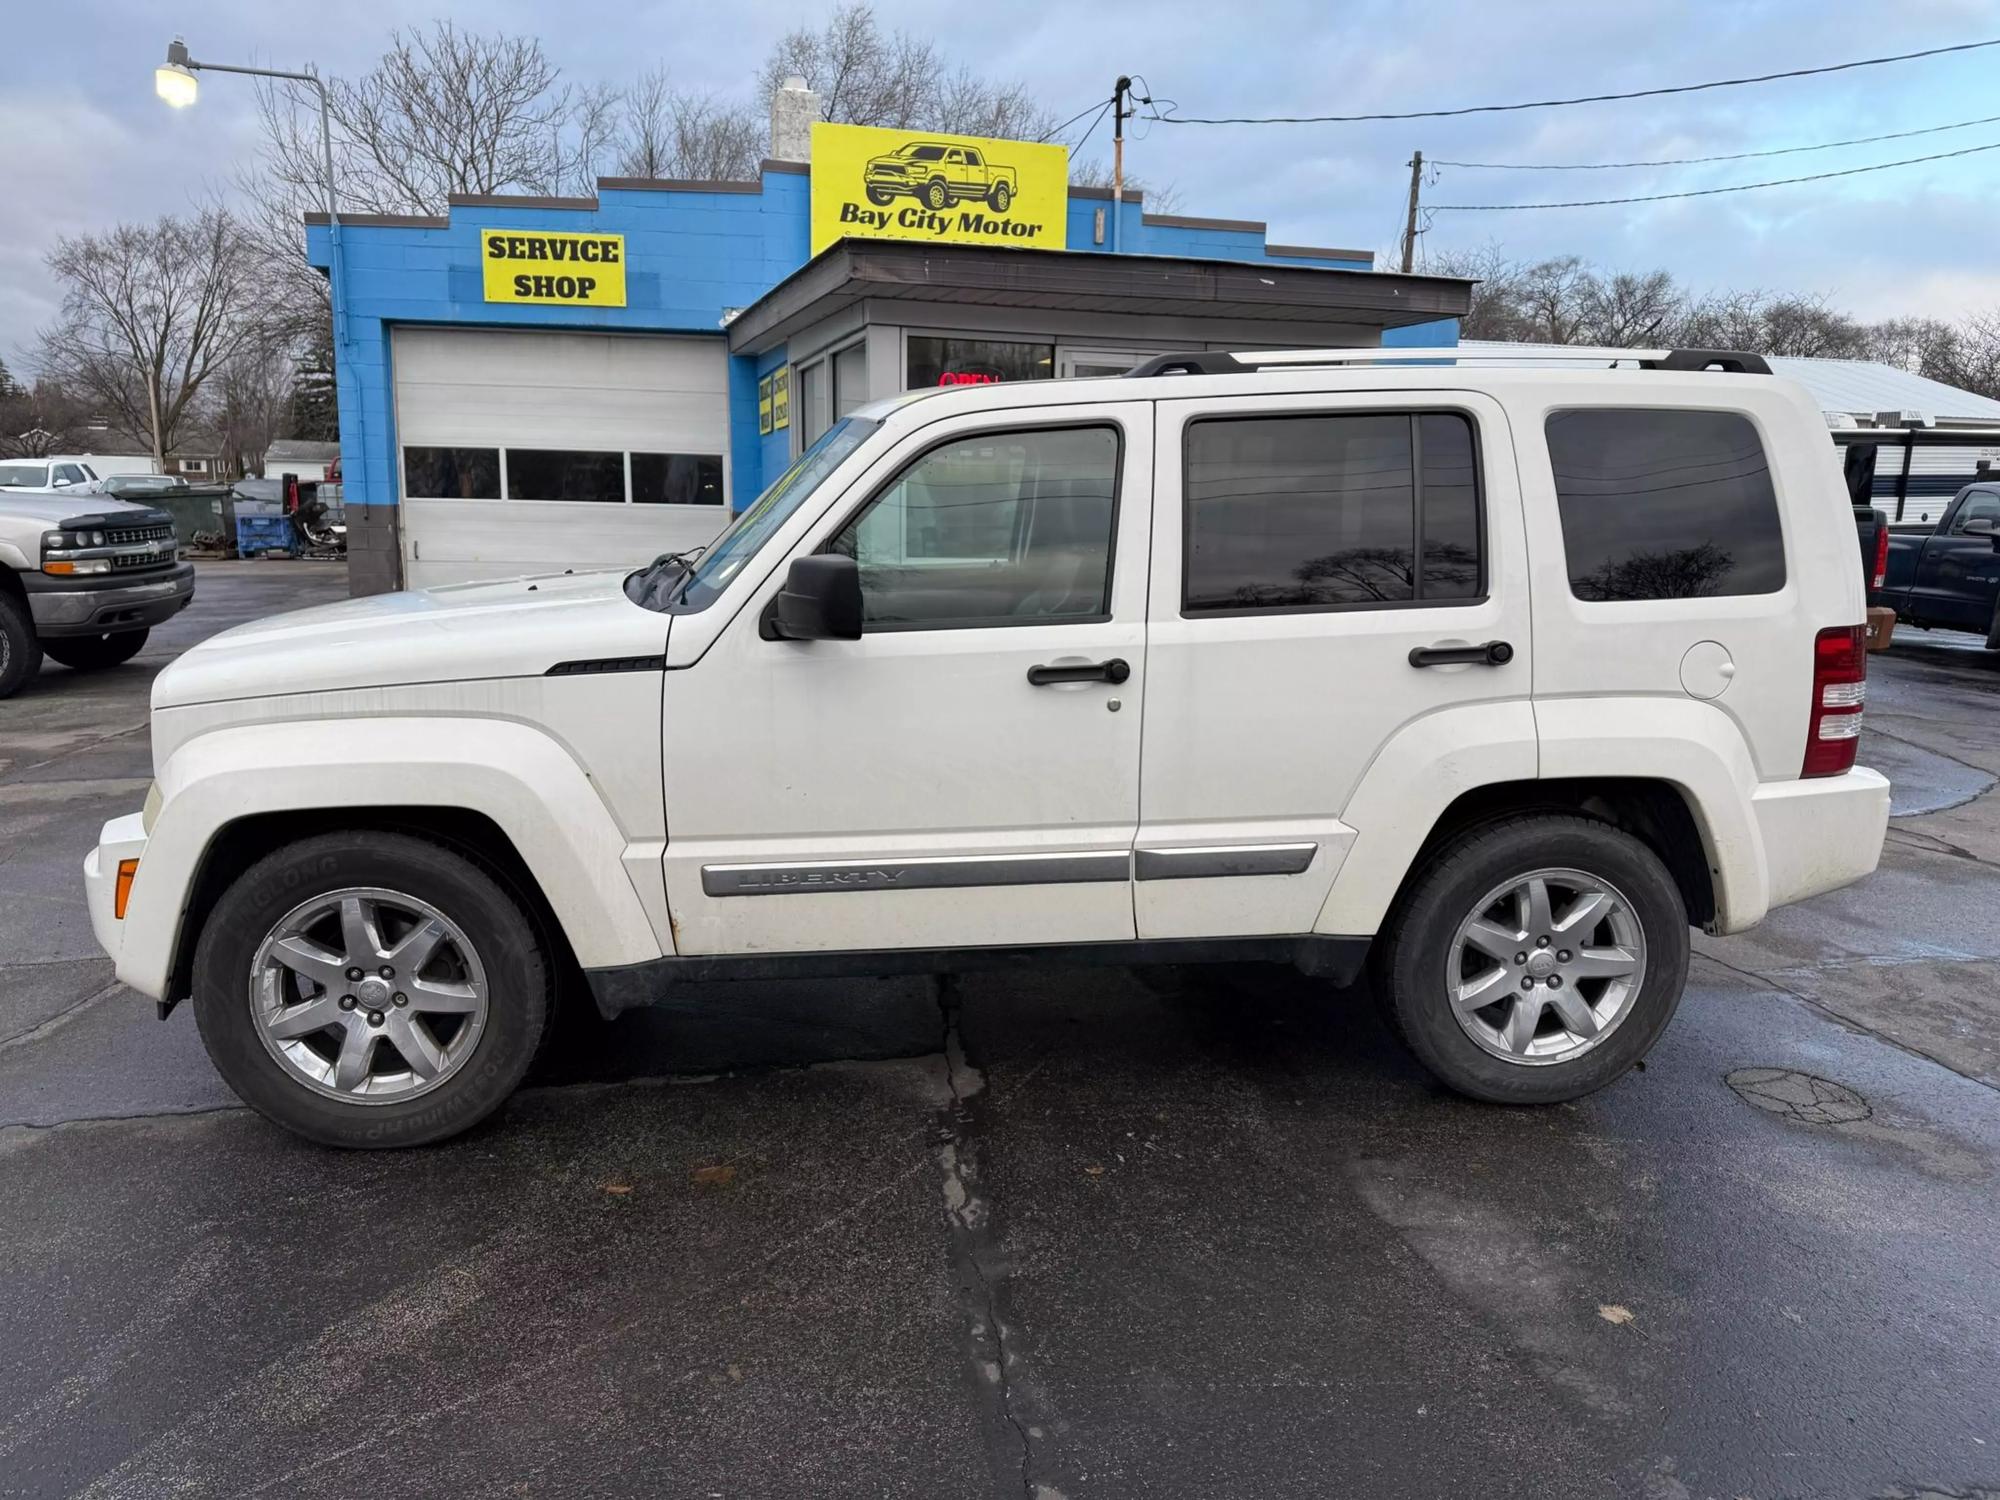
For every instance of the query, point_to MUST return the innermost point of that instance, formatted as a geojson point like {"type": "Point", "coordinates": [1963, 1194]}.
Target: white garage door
{"type": "Point", "coordinates": [534, 452]}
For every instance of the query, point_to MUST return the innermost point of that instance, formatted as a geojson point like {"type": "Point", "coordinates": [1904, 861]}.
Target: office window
{"type": "Point", "coordinates": [1005, 528]}
{"type": "Point", "coordinates": [451, 473]}
{"type": "Point", "coordinates": [1660, 504]}
{"type": "Point", "coordinates": [676, 479]}
{"type": "Point", "coordinates": [936, 361]}
{"type": "Point", "coordinates": [1326, 511]}
{"type": "Point", "coordinates": [563, 474]}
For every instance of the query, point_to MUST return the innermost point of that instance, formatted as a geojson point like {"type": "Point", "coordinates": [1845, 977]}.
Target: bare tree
{"type": "Point", "coordinates": [43, 419]}
{"type": "Point", "coordinates": [1628, 309]}
{"type": "Point", "coordinates": [249, 405]}
{"type": "Point", "coordinates": [865, 76]}
{"type": "Point", "coordinates": [150, 314]}
{"type": "Point", "coordinates": [666, 132]}
{"type": "Point", "coordinates": [1097, 174]}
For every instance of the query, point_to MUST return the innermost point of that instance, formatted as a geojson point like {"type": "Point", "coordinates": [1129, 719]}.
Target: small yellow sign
{"type": "Point", "coordinates": [551, 269]}
{"type": "Point", "coordinates": [873, 183]}
{"type": "Point", "coordinates": [764, 428]}
{"type": "Point", "coordinates": [781, 398]}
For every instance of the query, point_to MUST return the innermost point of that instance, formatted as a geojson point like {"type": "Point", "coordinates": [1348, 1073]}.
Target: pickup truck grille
{"type": "Point", "coordinates": [125, 562]}
{"type": "Point", "coordinates": [136, 536]}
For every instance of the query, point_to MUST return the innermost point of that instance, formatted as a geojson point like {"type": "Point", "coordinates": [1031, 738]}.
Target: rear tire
{"type": "Point", "coordinates": [1002, 196]}
{"type": "Point", "coordinates": [485, 951]}
{"type": "Point", "coordinates": [90, 653]}
{"type": "Point", "coordinates": [1468, 925]}
{"type": "Point", "coordinates": [20, 652]}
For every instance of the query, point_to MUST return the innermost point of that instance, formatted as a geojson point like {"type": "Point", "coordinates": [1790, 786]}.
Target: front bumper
{"type": "Point", "coordinates": [106, 603]}
{"type": "Point", "coordinates": [1822, 833]}
{"type": "Point", "coordinates": [121, 839]}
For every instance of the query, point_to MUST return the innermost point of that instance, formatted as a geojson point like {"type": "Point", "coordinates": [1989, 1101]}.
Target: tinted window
{"type": "Point", "coordinates": [452, 473]}
{"type": "Point", "coordinates": [1008, 528]}
{"type": "Point", "coordinates": [1980, 505]}
{"type": "Point", "coordinates": [1665, 504]}
{"type": "Point", "coordinates": [935, 361]}
{"type": "Point", "coordinates": [561, 474]}
{"type": "Point", "coordinates": [1313, 512]}
{"type": "Point", "coordinates": [677, 478]}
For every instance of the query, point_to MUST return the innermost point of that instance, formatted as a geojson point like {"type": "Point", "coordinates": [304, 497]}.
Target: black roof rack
{"type": "Point", "coordinates": [1220, 362]}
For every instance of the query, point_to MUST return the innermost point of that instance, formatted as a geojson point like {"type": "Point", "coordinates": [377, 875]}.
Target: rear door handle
{"type": "Point", "coordinates": [1492, 654]}
{"type": "Point", "coordinates": [1114, 670]}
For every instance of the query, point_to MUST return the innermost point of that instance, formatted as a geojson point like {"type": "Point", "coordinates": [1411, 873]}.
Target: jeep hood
{"type": "Point", "coordinates": [519, 628]}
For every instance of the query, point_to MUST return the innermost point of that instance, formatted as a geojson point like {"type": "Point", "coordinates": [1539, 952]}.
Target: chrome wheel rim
{"type": "Point", "coordinates": [1546, 966]}
{"type": "Point", "coordinates": [368, 996]}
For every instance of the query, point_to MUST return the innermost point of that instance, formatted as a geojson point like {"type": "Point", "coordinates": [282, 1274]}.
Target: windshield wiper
{"type": "Point", "coordinates": [639, 588]}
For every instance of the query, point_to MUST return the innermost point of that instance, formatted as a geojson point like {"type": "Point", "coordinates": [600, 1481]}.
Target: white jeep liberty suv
{"type": "Point", "coordinates": [1496, 678]}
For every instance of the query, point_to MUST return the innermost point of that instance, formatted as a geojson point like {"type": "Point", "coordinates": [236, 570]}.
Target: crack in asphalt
{"type": "Point", "coordinates": [57, 1021]}
{"type": "Point", "coordinates": [1846, 1022]}
{"type": "Point", "coordinates": [973, 1244]}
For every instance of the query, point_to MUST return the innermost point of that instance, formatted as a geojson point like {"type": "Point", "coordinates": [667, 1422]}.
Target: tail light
{"type": "Point", "coordinates": [1840, 687]}
{"type": "Point", "coordinates": [1880, 575]}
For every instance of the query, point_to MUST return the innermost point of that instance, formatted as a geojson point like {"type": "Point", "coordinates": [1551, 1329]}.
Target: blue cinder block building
{"type": "Point", "coordinates": [484, 437]}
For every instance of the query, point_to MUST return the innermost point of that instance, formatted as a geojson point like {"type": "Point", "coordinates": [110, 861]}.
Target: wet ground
{"type": "Point", "coordinates": [1070, 1233]}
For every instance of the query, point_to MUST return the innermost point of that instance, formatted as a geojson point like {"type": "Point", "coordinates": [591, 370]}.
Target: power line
{"type": "Point", "coordinates": [1077, 149]}
{"type": "Point", "coordinates": [1487, 109]}
{"type": "Point", "coordinates": [1741, 187]}
{"type": "Point", "coordinates": [1072, 120]}
{"type": "Point", "coordinates": [1690, 161]}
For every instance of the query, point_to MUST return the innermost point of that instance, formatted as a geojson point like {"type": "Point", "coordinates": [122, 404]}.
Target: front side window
{"type": "Point", "coordinates": [1980, 505]}
{"type": "Point", "coordinates": [1003, 528]}
{"type": "Point", "coordinates": [1331, 511]}
{"type": "Point", "coordinates": [451, 473]}
{"type": "Point", "coordinates": [564, 474]}
{"type": "Point", "coordinates": [1664, 504]}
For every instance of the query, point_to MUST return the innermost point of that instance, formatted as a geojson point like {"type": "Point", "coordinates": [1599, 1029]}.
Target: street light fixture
{"type": "Point", "coordinates": [175, 82]}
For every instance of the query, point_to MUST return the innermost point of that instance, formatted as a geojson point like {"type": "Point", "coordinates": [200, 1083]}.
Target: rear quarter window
{"type": "Point", "coordinates": [1664, 504]}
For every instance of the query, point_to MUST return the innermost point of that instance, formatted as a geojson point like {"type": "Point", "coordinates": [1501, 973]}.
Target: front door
{"type": "Point", "coordinates": [1953, 583]}
{"type": "Point", "coordinates": [967, 773]}
{"type": "Point", "coordinates": [1304, 547]}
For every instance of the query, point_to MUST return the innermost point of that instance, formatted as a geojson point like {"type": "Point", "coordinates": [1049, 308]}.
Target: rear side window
{"type": "Point", "coordinates": [1665, 504]}
{"type": "Point", "coordinates": [1331, 512]}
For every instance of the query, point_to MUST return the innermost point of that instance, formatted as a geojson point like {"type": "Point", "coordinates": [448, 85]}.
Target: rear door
{"type": "Point", "coordinates": [1304, 546]}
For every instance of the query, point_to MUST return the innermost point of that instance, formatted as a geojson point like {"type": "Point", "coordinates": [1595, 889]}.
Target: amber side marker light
{"type": "Point", "coordinates": [127, 868]}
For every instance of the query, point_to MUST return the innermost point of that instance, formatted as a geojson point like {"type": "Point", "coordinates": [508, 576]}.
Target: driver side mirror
{"type": "Point", "coordinates": [1982, 526]}
{"type": "Point", "coordinates": [821, 601]}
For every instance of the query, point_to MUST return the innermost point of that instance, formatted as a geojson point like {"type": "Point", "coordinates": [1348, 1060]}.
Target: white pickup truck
{"type": "Point", "coordinates": [83, 577]}
{"type": "Point", "coordinates": [1492, 679]}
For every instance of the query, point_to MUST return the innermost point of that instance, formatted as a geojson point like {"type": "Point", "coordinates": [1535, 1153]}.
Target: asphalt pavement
{"type": "Point", "coordinates": [1056, 1234]}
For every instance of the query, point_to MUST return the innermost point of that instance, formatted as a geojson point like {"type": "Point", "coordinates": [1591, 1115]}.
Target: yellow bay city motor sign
{"type": "Point", "coordinates": [555, 270]}
{"type": "Point", "coordinates": [870, 183]}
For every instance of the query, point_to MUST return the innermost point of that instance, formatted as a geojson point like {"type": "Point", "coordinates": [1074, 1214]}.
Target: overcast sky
{"type": "Point", "coordinates": [84, 144]}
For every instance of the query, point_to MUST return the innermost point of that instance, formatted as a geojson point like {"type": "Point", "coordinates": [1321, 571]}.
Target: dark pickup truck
{"type": "Point", "coordinates": [1948, 579]}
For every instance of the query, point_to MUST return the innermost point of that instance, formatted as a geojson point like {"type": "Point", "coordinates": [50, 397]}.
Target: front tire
{"type": "Point", "coordinates": [1536, 959]}
{"type": "Point", "coordinates": [881, 197]}
{"type": "Point", "coordinates": [1993, 630]}
{"type": "Point", "coordinates": [90, 653]}
{"type": "Point", "coordinates": [937, 195]}
{"type": "Point", "coordinates": [20, 652]}
{"type": "Point", "coordinates": [370, 990]}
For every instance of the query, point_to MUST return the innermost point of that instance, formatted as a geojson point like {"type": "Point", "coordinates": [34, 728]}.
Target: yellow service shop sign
{"type": "Point", "coordinates": [871, 183]}
{"type": "Point", "coordinates": [553, 270]}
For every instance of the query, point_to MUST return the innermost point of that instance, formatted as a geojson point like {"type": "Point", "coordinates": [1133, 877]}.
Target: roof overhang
{"type": "Point", "coordinates": [852, 271]}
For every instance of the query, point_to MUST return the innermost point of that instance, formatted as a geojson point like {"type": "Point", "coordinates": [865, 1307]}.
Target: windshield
{"type": "Point", "coordinates": [35, 476]}
{"type": "Point", "coordinates": [922, 153]}
{"type": "Point", "coordinates": [727, 554]}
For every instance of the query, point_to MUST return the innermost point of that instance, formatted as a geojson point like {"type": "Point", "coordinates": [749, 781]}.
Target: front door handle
{"type": "Point", "coordinates": [1492, 654]}
{"type": "Point", "coordinates": [1114, 670]}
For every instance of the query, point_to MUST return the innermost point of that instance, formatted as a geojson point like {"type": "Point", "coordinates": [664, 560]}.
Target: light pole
{"type": "Point", "coordinates": [175, 82]}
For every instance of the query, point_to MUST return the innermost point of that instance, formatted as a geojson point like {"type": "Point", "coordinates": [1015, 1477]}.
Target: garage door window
{"type": "Point", "coordinates": [451, 473]}
{"type": "Point", "coordinates": [558, 474]}
{"type": "Point", "coordinates": [676, 479]}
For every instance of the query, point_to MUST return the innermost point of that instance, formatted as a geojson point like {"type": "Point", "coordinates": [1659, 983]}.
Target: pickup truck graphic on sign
{"type": "Point", "coordinates": [938, 176]}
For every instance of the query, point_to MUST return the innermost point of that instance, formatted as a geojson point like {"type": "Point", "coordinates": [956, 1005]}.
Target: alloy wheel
{"type": "Point", "coordinates": [367, 995]}
{"type": "Point", "coordinates": [1546, 966]}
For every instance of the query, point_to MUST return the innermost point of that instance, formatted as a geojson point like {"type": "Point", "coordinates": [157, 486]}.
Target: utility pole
{"type": "Point", "coordinates": [1119, 91]}
{"type": "Point", "coordinates": [1410, 223]}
